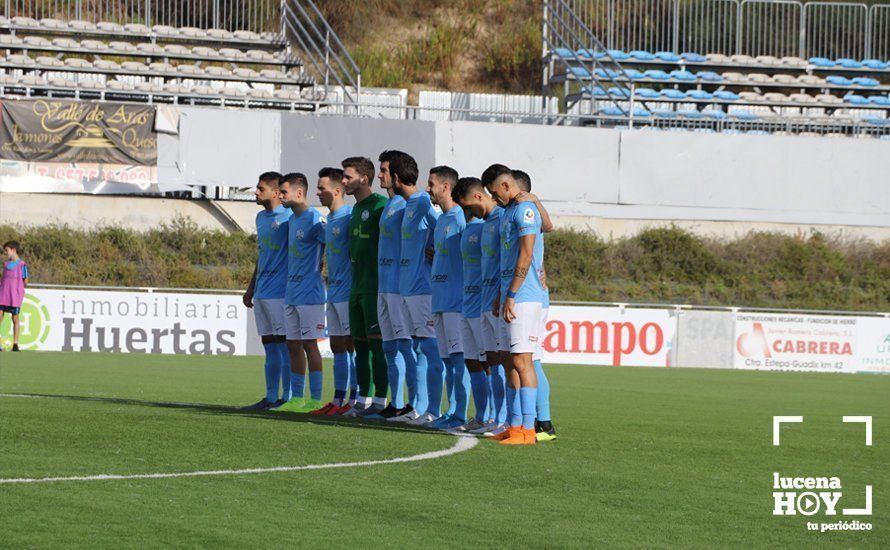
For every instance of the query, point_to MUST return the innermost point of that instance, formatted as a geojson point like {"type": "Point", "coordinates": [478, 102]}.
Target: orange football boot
{"type": "Point", "coordinates": [505, 434]}
{"type": "Point", "coordinates": [521, 437]}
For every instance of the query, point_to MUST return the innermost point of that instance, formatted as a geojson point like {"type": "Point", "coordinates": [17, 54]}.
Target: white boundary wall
{"type": "Point", "coordinates": [217, 323]}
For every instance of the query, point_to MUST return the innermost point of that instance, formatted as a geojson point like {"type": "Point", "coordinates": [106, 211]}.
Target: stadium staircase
{"type": "Point", "coordinates": [731, 91]}
{"type": "Point", "coordinates": [291, 58]}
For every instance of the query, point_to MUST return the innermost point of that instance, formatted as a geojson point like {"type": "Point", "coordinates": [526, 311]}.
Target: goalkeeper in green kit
{"type": "Point", "coordinates": [364, 232]}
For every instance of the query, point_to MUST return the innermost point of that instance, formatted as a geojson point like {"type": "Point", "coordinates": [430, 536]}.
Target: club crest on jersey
{"type": "Point", "coordinates": [390, 213]}
{"type": "Point", "coordinates": [300, 234]}
{"type": "Point", "coordinates": [365, 215]}
{"type": "Point", "coordinates": [529, 216]}
{"type": "Point", "coordinates": [336, 231]}
{"type": "Point", "coordinates": [275, 224]}
{"type": "Point", "coordinates": [410, 214]}
{"type": "Point", "coordinates": [474, 239]}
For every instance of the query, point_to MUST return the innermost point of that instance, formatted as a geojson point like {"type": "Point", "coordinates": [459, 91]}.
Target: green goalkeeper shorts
{"type": "Point", "coordinates": [363, 315]}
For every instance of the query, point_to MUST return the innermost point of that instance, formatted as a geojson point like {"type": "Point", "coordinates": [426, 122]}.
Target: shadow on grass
{"type": "Point", "coordinates": [208, 408]}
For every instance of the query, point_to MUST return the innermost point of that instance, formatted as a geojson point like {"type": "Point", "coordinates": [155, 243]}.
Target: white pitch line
{"type": "Point", "coordinates": [463, 443]}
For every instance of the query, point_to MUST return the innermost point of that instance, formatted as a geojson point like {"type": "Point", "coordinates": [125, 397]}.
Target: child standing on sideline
{"type": "Point", "coordinates": [12, 287]}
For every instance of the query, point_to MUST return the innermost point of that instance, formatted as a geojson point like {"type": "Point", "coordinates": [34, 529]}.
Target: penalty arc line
{"type": "Point", "coordinates": [463, 443]}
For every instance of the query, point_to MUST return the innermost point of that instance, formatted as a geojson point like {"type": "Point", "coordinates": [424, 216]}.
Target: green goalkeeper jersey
{"type": "Point", "coordinates": [364, 231]}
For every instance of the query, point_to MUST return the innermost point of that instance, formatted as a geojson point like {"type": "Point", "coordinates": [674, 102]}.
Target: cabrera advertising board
{"type": "Point", "coordinates": [131, 322]}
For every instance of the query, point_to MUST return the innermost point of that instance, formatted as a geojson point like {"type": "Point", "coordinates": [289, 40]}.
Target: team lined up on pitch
{"type": "Point", "coordinates": [452, 298]}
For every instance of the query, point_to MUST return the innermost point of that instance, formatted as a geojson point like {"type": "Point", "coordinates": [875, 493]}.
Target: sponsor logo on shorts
{"type": "Point", "coordinates": [319, 326]}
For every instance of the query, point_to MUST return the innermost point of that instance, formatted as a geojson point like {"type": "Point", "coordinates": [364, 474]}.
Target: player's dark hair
{"type": "Point", "coordinates": [522, 180]}
{"type": "Point", "coordinates": [270, 178]}
{"type": "Point", "coordinates": [464, 187]}
{"type": "Point", "coordinates": [404, 166]}
{"type": "Point", "coordinates": [333, 174]}
{"type": "Point", "coordinates": [446, 173]}
{"type": "Point", "coordinates": [493, 172]}
{"type": "Point", "coordinates": [13, 245]}
{"type": "Point", "coordinates": [389, 155]}
{"type": "Point", "coordinates": [295, 179]}
{"type": "Point", "coordinates": [362, 165]}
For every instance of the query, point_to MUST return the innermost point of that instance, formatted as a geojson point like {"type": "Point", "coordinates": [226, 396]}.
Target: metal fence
{"type": "Point", "coordinates": [255, 15]}
{"type": "Point", "coordinates": [752, 27]}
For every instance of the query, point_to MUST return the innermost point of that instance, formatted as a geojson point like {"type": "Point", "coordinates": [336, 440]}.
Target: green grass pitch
{"type": "Point", "coordinates": [645, 458]}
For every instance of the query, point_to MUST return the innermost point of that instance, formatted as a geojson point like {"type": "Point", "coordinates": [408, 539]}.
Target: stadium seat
{"type": "Point", "coordinates": [96, 45]}
{"type": "Point", "coordinates": [164, 30]}
{"type": "Point", "coordinates": [735, 77]}
{"type": "Point", "coordinates": [122, 47]}
{"type": "Point", "coordinates": [634, 74]}
{"type": "Point", "coordinates": [709, 76]}
{"type": "Point", "coordinates": [53, 24]}
{"type": "Point", "coordinates": [809, 79]}
{"type": "Point", "coordinates": [618, 55]}
{"type": "Point", "coordinates": [565, 53]}
{"type": "Point", "coordinates": [784, 79]}
{"type": "Point", "coordinates": [876, 64]}
{"type": "Point", "coordinates": [692, 57]}
{"type": "Point", "coordinates": [792, 61]}
{"type": "Point", "coordinates": [149, 48]}
{"type": "Point", "coordinates": [218, 71]}
{"type": "Point", "coordinates": [717, 58]}
{"type": "Point", "coordinates": [664, 113]}
{"type": "Point", "coordinates": [802, 98]}
{"type": "Point", "coordinates": [854, 99]}
{"type": "Point", "coordinates": [24, 22]}
{"type": "Point", "coordinates": [750, 96]}
{"type": "Point", "coordinates": [657, 74]}
{"type": "Point", "coordinates": [107, 26]}
{"type": "Point", "coordinates": [584, 54]}
{"type": "Point", "coordinates": [836, 80]}
{"type": "Point", "coordinates": [725, 95]}
{"type": "Point", "coordinates": [700, 95]}
{"type": "Point", "coordinates": [136, 28]}
{"type": "Point", "coordinates": [828, 99]}
{"type": "Point", "coordinates": [79, 25]}
{"type": "Point", "coordinates": [877, 121]}
{"type": "Point", "coordinates": [775, 97]}
{"type": "Point", "coordinates": [744, 115]}
{"type": "Point", "coordinates": [222, 34]}
{"type": "Point", "coordinates": [742, 59]}
{"type": "Point", "coordinates": [848, 63]}
{"type": "Point", "coordinates": [690, 114]}
{"type": "Point", "coordinates": [615, 91]}
{"type": "Point", "coordinates": [641, 55]}
{"type": "Point", "coordinates": [759, 78]}
{"type": "Point", "coordinates": [580, 72]}
{"type": "Point", "coordinates": [821, 62]}
{"type": "Point", "coordinates": [767, 60]}
{"type": "Point", "coordinates": [880, 100]}
{"type": "Point", "coordinates": [37, 41]}
{"type": "Point", "coordinates": [246, 35]}
{"type": "Point", "coordinates": [669, 57]}
{"type": "Point", "coordinates": [714, 114]}
{"type": "Point", "coordinates": [670, 93]}
{"type": "Point", "coordinates": [46, 61]}
{"type": "Point", "coordinates": [611, 111]}
{"type": "Point", "coordinates": [10, 40]}
{"type": "Point", "coordinates": [640, 112]}
{"type": "Point", "coordinates": [647, 93]}
{"type": "Point", "coordinates": [106, 65]}
{"type": "Point", "coordinates": [91, 84]}
{"type": "Point", "coordinates": [119, 85]}
{"type": "Point", "coordinates": [865, 81]}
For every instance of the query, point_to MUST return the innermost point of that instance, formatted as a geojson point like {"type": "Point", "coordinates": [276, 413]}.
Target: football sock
{"type": "Point", "coordinates": [529, 406]}
{"type": "Point", "coordinates": [449, 385]}
{"type": "Point", "coordinates": [379, 369]}
{"type": "Point", "coordinates": [543, 394]}
{"type": "Point", "coordinates": [272, 368]}
{"type": "Point", "coordinates": [435, 375]}
{"type": "Point", "coordinates": [498, 394]}
{"type": "Point", "coordinates": [363, 367]}
{"type": "Point", "coordinates": [479, 382]}
{"type": "Point", "coordinates": [514, 410]}
{"type": "Point", "coordinates": [316, 381]}
{"type": "Point", "coordinates": [421, 396]}
{"type": "Point", "coordinates": [409, 372]}
{"type": "Point", "coordinates": [353, 378]}
{"type": "Point", "coordinates": [285, 371]}
{"type": "Point", "coordinates": [461, 384]}
{"type": "Point", "coordinates": [297, 385]}
{"type": "Point", "coordinates": [341, 377]}
{"type": "Point", "coordinates": [396, 372]}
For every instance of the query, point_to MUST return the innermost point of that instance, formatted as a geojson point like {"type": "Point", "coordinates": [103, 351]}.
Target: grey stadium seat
{"type": "Point", "coordinates": [160, 67]}
{"type": "Point", "coordinates": [165, 30]}
{"type": "Point", "coordinates": [32, 80]}
{"type": "Point", "coordinates": [217, 71]}
{"type": "Point", "coordinates": [271, 73]}
{"type": "Point", "coordinates": [91, 84]}
{"type": "Point", "coordinates": [246, 35]}
{"type": "Point", "coordinates": [36, 41]}
{"type": "Point", "coordinates": [119, 85]}
{"type": "Point", "coordinates": [10, 40]}
{"type": "Point", "coordinates": [149, 48]}
{"type": "Point", "coordinates": [189, 69]}
{"type": "Point", "coordinates": [49, 61]}
{"type": "Point", "coordinates": [192, 32]}
{"type": "Point", "coordinates": [204, 51]}
{"type": "Point", "coordinates": [108, 26]}
{"type": "Point", "coordinates": [24, 22]}
{"type": "Point", "coordinates": [137, 28]}
{"type": "Point", "coordinates": [79, 25]}
{"type": "Point", "coordinates": [19, 59]}
{"type": "Point", "coordinates": [78, 63]}
{"type": "Point", "coordinates": [121, 47]}
{"type": "Point", "coordinates": [231, 52]}
{"type": "Point", "coordinates": [94, 45]}
{"type": "Point", "coordinates": [66, 43]}
{"type": "Point", "coordinates": [106, 65]}
{"type": "Point", "coordinates": [53, 24]}
{"type": "Point", "coordinates": [245, 73]}
{"type": "Point", "coordinates": [177, 49]}
{"type": "Point", "coordinates": [134, 66]}
{"type": "Point", "coordinates": [62, 82]}
{"type": "Point", "coordinates": [220, 33]}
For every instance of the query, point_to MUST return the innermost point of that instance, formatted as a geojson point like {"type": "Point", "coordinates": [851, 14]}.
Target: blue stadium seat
{"type": "Point", "coordinates": [757, 133]}
{"type": "Point", "coordinates": [641, 55]}
{"type": "Point", "coordinates": [664, 113]}
{"type": "Point", "coordinates": [709, 76]}
{"type": "Point", "coordinates": [634, 74]}
{"type": "Point", "coordinates": [855, 99]}
{"type": "Point", "coordinates": [821, 62]}
{"type": "Point", "coordinates": [881, 100]}
{"type": "Point", "coordinates": [876, 64]}
{"type": "Point", "coordinates": [877, 121]}
{"type": "Point", "coordinates": [618, 55]}
{"type": "Point", "coordinates": [599, 72]}
{"type": "Point", "coordinates": [641, 112]}
{"type": "Point", "coordinates": [670, 93]}
{"type": "Point", "coordinates": [597, 92]}
{"type": "Point", "coordinates": [848, 63]}
{"type": "Point", "coordinates": [699, 94]}
{"type": "Point", "coordinates": [691, 114]}
{"type": "Point", "coordinates": [657, 74]}
{"type": "Point", "coordinates": [580, 72]}
{"type": "Point", "coordinates": [838, 80]}
{"type": "Point", "coordinates": [731, 131]}
{"type": "Point", "coordinates": [667, 56]}
{"type": "Point", "coordinates": [865, 81]}
{"type": "Point", "coordinates": [647, 93]}
{"type": "Point", "coordinates": [584, 54]}
{"type": "Point", "coordinates": [744, 115]}
{"type": "Point", "coordinates": [693, 57]}
{"type": "Point", "coordinates": [616, 91]}
{"type": "Point", "coordinates": [685, 76]}
{"type": "Point", "coordinates": [564, 53]}
{"type": "Point", "coordinates": [714, 114]}
{"type": "Point", "coordinates": [725, 95]}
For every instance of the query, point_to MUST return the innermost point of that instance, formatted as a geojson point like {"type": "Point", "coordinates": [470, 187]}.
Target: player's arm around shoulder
{"type": "Point", "coordinates": [546, 223]}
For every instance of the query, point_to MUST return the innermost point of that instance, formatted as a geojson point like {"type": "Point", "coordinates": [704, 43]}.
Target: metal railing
{"type": "Point", "coordinates": [322, 51]}
{"type": "Point", "coordinates": [254, 15]}
{"type": "Point", "coordinates": [753, 27]}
